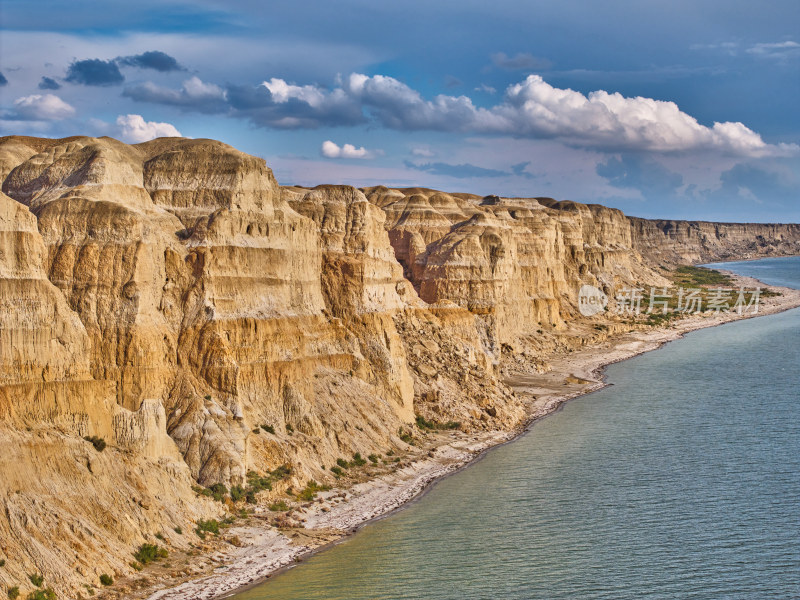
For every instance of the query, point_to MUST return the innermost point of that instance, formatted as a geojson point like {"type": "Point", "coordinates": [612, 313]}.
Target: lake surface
{"type": "Point", "coordinates": [682, 480]}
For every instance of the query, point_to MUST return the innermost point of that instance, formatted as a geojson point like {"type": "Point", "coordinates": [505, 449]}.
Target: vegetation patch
{"type": "Point", "coordinates": [13, 592]}
{"type": "Point", "coordinates": [237, 493]}
{"type": "Point", "coordinates": [282, 472]}
{"type": "Point", "coordinates": [279, 506]}
{"type": "Point", "coordinates": [148, 553]}
{"type": "Point", "coordinates": [405, 436]}
{"type": "Point", "coordinates": [98, 442]}
{"type": "Point", "coordinates": [688, 276]}
{"type": "Point", "coordinates": [310, 491]}
{"type": "Point", "coordinates": [46, 594]}
{"type": "Point", "coordinates": [357, 461]}
{"type": "Point", "coordinates": [106, 579]}
{"type": "Point", "coordinates": [203, 527]}
{"type": "Point", "coordinates": [424, 424]}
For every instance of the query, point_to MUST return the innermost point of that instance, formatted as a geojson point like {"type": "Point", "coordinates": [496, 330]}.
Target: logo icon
{"type": "Point", "coordinates": [591, 300]}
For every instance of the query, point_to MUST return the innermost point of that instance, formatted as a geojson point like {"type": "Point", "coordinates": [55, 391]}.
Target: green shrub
{"type": "Point", "coordinates": [158, 536]}
{"type": "Point", "coordinates": [2, 562]}
{"type": "Point", "coordinates": [210, 526]}
{"type": "Point", "coordinates": [13, 593]}
{"type": "Point", "coordinates": [279, 506]}
{"type": "Point", "coordinates": [357, 460]}
{"type": "Point", "coordinates": [337, 471]}
{"type": "Point", "coordinates": [342, 463]}
{"type": "Point", "coordinates": [282, 472]}
{"type": "Point", "coordinates": [98, 442]}
{"type": "Point", "coordinates": [36, 580]}
{"type": "Point", "coordinates": [106, 579]}
{"type": "Point", "coordinates": [374, 458]}
{"type": "Point", "coordinates": [178, 530]}
{"type": "Point", "coordinates": [148, 553]}
{"type": "Point", "coordinates": [201, 491]}
{"type": "Point", "coordinates": [255, 484]}
{"type": "Point", "coordinates": [268, 429]}
{"type": "Point", "coordinates": [237, 493]}
{"type": "Point", "coordinates": [46, 594]}
{"type": "Point", "coordinates": [405, 436]}
{"type": "Point", "coordinates": [256, 431]}
{"type": "Point", "coordinates": [310, 491]}
{"type": "Point", "coordinates": [136, 566]}
{"type": "Point", "coordinates": [423, 423]}
{"type": "Point", "coordinates": [218, 492]}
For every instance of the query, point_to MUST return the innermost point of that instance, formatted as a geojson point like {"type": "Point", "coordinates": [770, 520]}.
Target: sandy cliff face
{"type": "Point", "coordinates": [170, 298]}
{"type": "Point", "coordinates": [516, 264]}
{"type": "Point", "coordinates": [702, 241]}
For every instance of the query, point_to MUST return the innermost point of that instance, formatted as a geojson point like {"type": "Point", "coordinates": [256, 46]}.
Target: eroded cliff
{"type": "Point", "coordinates": [172, 299]}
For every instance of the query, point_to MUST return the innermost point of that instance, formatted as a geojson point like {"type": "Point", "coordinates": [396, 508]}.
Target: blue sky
{"type": "Point", "coordinates": [663, 109]}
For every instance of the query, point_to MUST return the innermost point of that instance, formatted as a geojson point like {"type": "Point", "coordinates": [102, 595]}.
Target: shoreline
{"type": "Point", "coordinates": [339, 514]}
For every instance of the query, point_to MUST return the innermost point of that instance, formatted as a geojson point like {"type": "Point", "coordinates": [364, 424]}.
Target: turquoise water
{"type": "Point", "coordinates": [682, 480]}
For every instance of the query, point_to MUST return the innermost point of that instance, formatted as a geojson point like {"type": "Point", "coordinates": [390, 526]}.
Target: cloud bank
{"type": "Point", "coordinates": [99, 72]}
{"type": "Point", "coordinates": [195, 95]}
{"type": "Point", "coordinates": [531, 108]}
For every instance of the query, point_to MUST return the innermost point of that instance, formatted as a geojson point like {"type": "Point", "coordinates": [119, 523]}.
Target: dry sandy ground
{"type": "Point", "coordinates": [265, 550]}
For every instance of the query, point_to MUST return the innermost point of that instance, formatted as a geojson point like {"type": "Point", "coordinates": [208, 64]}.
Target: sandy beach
{"type": "Point", "coordinates": [261, 550]}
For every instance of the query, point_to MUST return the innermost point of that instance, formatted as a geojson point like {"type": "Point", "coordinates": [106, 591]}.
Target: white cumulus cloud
{"type": "Point", "coordinates": [330, 149]}
{"type": "Point", "coordinates": [134, 129]}
{"type": "Point", "coordinates": [609, 120]}
{"type": "Point", "coordinates": [531, 108]}
{"type": "Point", "coordinates": [42, 107]}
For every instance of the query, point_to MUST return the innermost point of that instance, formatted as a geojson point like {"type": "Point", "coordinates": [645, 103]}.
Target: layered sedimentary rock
{"type": "Point", "coordinates": [702, 241]}
{"type": "Point", "coordinates": [171, 298]}
{"type": "Point", "coordinates": [515, 263]}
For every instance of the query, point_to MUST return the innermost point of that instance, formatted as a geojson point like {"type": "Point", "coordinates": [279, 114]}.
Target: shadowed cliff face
{"type": "Point", "coordinates": [170, 298]}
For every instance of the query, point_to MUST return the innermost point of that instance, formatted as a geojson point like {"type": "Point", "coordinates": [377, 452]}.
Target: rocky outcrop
{"type": "Point", "coordinates": [702, 241]}
{"type": "Point", "coordinates": [514, 263]}
{"type": "Point", "coordinates": [172, 299]}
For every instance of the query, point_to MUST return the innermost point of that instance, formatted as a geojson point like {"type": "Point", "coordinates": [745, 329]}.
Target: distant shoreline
{"type": "Point", "coordinates": [270, 552]}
